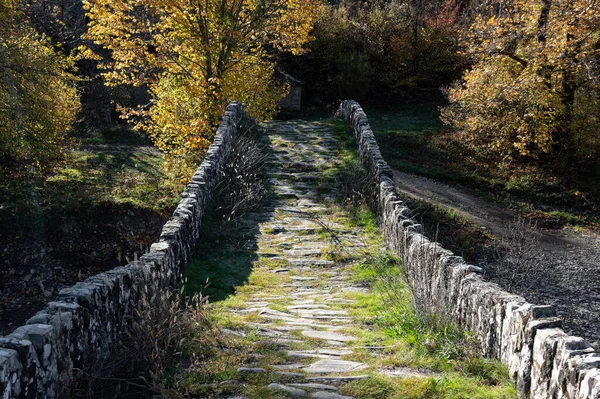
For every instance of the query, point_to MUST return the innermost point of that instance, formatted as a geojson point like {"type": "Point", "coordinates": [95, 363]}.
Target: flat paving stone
{"type": "Point", "coordinates": [292, 366]}
{"type": "Point", "coordinates": [304, 293]}
{"type": "Point", "coordinates": [329, 395]}
{"type": "Point", "coordinates": [327, 335]}
{"type": "Point", "coordinates": [302, 324]}
{"type": "Point", "coordinates": [335, 352]}
{"type": "Point", "coordinates": [293, 392]}
{"type": "Point", "coordinates": [314, 385]}
{"type": "Point", "coordinates": [337, 379]}
{"type": "Point", "coordinates": [308, 306]}
{"type": "Point", "coordinates": [299, 278]}
{"type": "Point", "coordinates": [301, 252]}
{"type": "Point", "coordinates": [330, 319]}
{"type": "Point", "coordinates": [334, 366]}
{"type": "Point", "coordinates": [310, 262]}
{"type": "Point", "coordinates": [318, 312]}
{"type": "Point", "coordinates": [304, 354]}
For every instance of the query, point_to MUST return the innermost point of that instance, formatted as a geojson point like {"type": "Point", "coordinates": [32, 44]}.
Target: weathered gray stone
{"type": "Point", "coordinates": [330, 336]}
{"type": "Point", "coordinates": [308, 306]}
{"type": "Point", "coordinates": [314, 385]}
{"type": "Point", "coordinates": [543, 361]}
{"type": "Point", "coordinates": [293, 392]}
{"type": "Point", "coordinates": [93, 314]}
{"type": "Point", "coordinates": [323, 313]}
{"type": "Point", "coordinates": [334, 366]}
{"type": "Point", "coordinates": [568, 351]}
{"type": "Point", "coordinates": [309, 262]}
{"type": "Point", "coordinates": [544, 350]}
{"type": "Point", "coordinates": [337, 379]}
{"type": "Point", "coordinates": [292, 366]}
{"type": "Point", "coordinates": [329, 395]}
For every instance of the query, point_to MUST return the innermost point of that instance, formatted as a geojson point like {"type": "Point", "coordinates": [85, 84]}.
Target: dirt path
{"type": "Point", "coordinates": [571, 276]}
{"type": "Point", "coordinates": [119, 148]}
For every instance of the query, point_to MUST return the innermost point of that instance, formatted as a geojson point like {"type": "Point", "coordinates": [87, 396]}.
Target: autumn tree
{"type": "Point", "coordinates": [38, 101]}
{"type": "Point", "coordinates": [534, 87]}
{"type": "Point", "coordinates": [194, 56]}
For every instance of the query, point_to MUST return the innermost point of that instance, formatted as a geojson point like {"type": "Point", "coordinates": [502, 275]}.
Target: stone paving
{"type": "Point", "coordinates": [307, 315]}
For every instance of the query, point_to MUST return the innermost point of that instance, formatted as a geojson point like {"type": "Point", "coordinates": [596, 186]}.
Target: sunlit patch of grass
{"type": "Point", "coordinates": [416, 341]}
{"type": "Point", "coordinates": [85, 179]}
{"type": "Point", "coordinates": [381, 387]}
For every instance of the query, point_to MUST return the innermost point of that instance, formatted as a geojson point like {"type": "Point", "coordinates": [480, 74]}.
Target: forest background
{"type": "Point", "coordinates": [520, 78]}
{"type": "Point", "coordinates": [107, 106]}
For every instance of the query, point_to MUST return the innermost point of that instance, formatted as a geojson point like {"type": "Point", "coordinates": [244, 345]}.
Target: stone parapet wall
{"type": "Point", "coordinates": [37, 360]}
{"type": "Point", "coordinates": [542, 359]}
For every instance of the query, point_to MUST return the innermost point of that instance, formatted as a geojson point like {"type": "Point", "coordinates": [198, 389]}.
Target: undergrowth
{"type": "Point", "coordinates": [176, 328]}
{"type": "Point", "coordinates": [127, 174]}
{"type": "Point", "coordinates": [223, 257]}
{"type": "Point", "coordinates": [144, 361]}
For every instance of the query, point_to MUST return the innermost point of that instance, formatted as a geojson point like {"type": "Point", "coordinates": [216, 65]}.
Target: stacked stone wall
{"type": "Point", "coordinates": [542, 359]}
{"type": "Point", "coordinates": [37, 360]}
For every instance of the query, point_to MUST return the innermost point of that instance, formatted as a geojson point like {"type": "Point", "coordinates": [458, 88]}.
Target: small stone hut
{"type": "Point", "coordinates": [293, 101]}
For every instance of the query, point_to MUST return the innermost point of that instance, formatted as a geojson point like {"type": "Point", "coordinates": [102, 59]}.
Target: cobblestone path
{"type": "Point", "coordinates": [295, 326]}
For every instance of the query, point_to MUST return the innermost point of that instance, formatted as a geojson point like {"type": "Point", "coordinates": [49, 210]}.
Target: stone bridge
{"type": "Point", "coordinates": [301, 294]}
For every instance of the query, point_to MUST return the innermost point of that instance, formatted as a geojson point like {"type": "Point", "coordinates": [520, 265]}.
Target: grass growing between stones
{"type": "Point", "coordinates": [270, 316]}
{"type": "Point", "coordinates": [411, 342]}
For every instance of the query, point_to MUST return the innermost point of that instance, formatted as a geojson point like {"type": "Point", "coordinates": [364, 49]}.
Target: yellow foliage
{"type": "Point", "coordinates": [195, 56]}
{"type": "Point", "coordinates": [38, 100]}
{"type": "Point", "coordinates": [532, 57]}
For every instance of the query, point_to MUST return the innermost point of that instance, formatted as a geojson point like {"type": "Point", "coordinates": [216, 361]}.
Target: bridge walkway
{"type": "Point", "coordinates": [301, 326]}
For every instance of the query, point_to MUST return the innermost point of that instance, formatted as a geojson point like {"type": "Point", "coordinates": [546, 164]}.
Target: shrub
{"type": "Point", "coordinates": [38, 100]}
